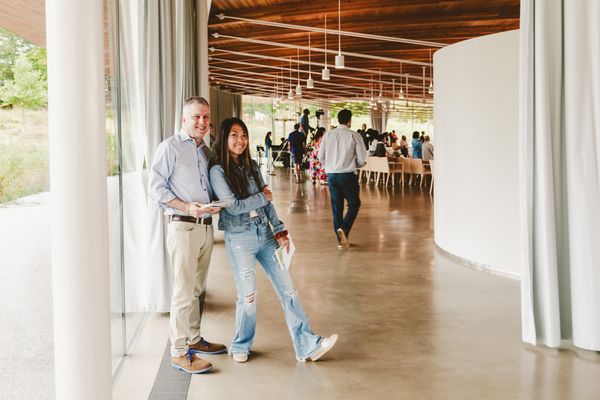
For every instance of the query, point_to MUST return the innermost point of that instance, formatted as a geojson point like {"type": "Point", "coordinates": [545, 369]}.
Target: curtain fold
{"type": "Point", "coordinates": [559, 172]}
{"type": "Point", "coordinates": [160, 83]}
{"type": "Point", "coordinates": [224, 105]}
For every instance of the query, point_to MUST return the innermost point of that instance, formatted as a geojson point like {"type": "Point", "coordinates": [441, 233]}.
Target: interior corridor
{"type": "Point", "coordinates": [414, 323]}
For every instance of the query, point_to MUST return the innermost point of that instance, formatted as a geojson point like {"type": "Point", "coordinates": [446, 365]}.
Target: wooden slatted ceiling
{"type": "Point", "coordinates": [444, 22]}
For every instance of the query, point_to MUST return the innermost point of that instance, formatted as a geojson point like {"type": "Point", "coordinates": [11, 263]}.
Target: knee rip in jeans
{"type": "Point", "coordinates": [250, 298]}
{"type": "Point", "coordinates": [291, 292]}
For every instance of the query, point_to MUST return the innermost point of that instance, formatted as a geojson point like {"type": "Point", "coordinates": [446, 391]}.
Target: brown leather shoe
{"type": "Point", "coordinates": [191, 364]}
{"type": "Point", "coordinates": [205, 347]}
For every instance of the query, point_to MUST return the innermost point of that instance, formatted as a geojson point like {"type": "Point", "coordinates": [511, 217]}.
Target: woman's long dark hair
{"type": "Point", "coordinates": [220, 156]}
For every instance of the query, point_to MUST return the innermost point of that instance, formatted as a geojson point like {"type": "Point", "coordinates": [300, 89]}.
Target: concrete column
{"type": "Point", "coordinates": [74, 42]}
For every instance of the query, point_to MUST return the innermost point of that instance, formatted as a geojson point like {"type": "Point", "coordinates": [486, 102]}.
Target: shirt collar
{"type": "Point", "coordinates": [183, 136]}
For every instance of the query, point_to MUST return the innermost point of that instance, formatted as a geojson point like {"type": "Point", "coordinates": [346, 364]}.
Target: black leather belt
{"type": "Point", "coordinates": [186, 218]}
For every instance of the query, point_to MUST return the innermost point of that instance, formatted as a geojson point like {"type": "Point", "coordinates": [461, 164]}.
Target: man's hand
{"type": "Point", "coordinates": [268, 193]}
{"type": "Point", "coordinates": [285, 242]}
{"type": "Point", "coordinates": [196, 210]}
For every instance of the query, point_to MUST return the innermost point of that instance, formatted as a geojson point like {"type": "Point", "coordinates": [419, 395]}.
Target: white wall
{"type": "Point", "coordinates": [476, 157]}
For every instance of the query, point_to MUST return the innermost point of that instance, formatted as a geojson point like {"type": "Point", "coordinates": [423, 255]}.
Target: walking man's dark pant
{"type": "Point", "coordinates": [343, 187]}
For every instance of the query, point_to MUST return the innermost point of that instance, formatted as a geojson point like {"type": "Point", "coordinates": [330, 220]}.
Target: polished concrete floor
{"type": "Point", "coordinates": [413, 322]}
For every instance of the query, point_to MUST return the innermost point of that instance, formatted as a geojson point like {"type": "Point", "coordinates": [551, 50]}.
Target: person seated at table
{"type": "Point", "coordinates": [395, 149]}
{"type": "Point", "coordinates": [427, 149]}
{"type": "Point", "coordinates": [404, 147]}
{"type": "Point", "coordinates": [374, 137]}
{"type": "Point", "coordinates": [380, 150]}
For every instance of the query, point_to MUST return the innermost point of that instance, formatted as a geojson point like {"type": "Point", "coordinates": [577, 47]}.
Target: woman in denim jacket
{"type": "Point", "coordinates": [247, 217]}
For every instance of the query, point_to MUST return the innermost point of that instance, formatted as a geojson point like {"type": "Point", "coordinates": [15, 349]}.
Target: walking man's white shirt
{"type": "Point", "coordinates": [342, 150]}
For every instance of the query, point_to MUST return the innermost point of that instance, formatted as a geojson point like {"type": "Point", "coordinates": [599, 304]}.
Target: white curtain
{"type": "Point", "coordinates": [157, 68]}
{"type": "Point", "coordinates": [560, 171]}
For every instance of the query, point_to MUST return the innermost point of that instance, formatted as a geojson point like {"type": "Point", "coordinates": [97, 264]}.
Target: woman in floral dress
{"type": "Point", "coordinates": [316, 170]}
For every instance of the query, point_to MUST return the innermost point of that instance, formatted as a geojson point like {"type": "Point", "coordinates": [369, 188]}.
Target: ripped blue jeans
{"type": "Point", "coordinates": [243, 250]}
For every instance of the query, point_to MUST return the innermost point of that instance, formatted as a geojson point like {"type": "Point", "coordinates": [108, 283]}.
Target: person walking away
{"type": "Point", "coordinates": [297, 143]}
{"type": "Point", "coordinates": [179, 184]}
{"type": "Point", "coordinates": [253, 232]}
{"type": "Point", "coordinates": [342, 151]}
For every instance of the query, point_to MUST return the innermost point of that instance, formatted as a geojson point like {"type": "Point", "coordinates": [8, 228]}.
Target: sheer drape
{"type": "Point", "coordinates": [158, 56]}
{"type": "Point", "coordinates": [378, 120]}
{"type": "Point", "coordinates": [560, 166]}
{"type": "Point", "coordinates": [224, 105]}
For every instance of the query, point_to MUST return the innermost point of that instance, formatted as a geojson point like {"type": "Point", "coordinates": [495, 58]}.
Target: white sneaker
{"type": "Point", "coordinates": [240, 357]}
{"type": "Point", "coordinates": [326, 345]}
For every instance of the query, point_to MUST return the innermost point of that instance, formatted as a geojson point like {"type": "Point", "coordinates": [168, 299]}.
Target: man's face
{"type": "Point", "coordinates": [195, 120]}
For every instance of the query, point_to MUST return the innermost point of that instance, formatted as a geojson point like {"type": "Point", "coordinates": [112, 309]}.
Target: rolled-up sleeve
{"type": "Point", "coordinates": [160, 173]}
{"type": "Point", "coordinates": [224, 193]}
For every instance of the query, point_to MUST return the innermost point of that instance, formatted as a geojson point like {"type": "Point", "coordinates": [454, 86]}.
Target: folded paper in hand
{"type": "Point", "coordinates": [283, 256]}
{"type": "Point", "coordinates": [215, 204]}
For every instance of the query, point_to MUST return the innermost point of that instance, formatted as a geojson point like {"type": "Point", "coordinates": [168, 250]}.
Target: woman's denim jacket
{"type": "Point", "coordinates": [235, 217]}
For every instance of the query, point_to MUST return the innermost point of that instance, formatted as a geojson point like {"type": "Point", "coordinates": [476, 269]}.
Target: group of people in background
{"type": "Point", "coordinates": [387, 144]}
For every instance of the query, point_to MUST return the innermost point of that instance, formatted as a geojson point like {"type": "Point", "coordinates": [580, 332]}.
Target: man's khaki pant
{"type": "Point", "coordinates": [190, 247]}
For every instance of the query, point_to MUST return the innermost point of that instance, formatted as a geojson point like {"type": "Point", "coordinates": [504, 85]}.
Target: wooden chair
{"type": "Point", "coordinates": [426, 171]}
{"type": "Point", "coordinates": [416, 168]}
{"type": "Point", "coordinates": [380, 166]}
{"type": "Point", "coordinates": [365, 169]}
{"type": "Point", "coordinates": [397, 167]}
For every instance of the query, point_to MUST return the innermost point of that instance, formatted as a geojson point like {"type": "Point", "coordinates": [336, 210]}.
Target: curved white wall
{"type": "Point", "coordinates": [476, 157]}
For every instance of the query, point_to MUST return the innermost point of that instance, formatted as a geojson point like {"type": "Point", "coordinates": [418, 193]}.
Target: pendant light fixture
{"type": "Point", "coordinates": [401, 94]}
{"type": "Point", "coordinates": [276, 85]}
{"type": "Point", "coordinates": [325, 75]}
{"type": "Point", "coordinates": [393, 94]}
{"type": "Point", "coordinates": [339, 59]}
{"type": "Point", "coordinates": [380, 98]}
{"type": "Point", "coordinates": [291, 92]}
{"type": "Point", "coordinates": [298, 87]}
{"type": "Point", "coordinates": [310, 84]}
{"type": "Point", "coordinates": [431, 73]}
{"type": "Point", "coordinates": [406, 86]}
{"type": "Point", "coordinates": [423, 84]}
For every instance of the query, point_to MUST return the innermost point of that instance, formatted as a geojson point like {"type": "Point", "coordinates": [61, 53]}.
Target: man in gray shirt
{"type": "Point", "coordinates": [342, 151]}
{"type": "Point", "coordinates": [179, 184]}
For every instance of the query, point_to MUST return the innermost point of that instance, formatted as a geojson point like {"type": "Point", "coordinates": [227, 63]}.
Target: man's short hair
{"type": "Point", "coordinates": [344, 116]}
{"type": "Point", "coordinates": [427, 139]}
{"type": "Point", "coordinates": [196, 100]}
{"type": "Point", "coordinates": [296, 126]}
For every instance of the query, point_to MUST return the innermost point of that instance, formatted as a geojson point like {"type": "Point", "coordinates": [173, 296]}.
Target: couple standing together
{"type": "Point", "coordinates": [182, 183]}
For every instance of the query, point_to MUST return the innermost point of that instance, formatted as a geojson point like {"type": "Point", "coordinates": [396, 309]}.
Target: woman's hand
{"type": "Point", "coordinates": [285, 242]}
{"type": "Point", "coordinates": [268, 194]}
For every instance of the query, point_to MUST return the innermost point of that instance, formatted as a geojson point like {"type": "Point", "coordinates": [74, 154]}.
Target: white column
{"type": "Point", "coordinates": [74, 42]}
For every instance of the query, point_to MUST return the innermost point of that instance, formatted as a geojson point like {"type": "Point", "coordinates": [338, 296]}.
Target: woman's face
{"type": "Point", "coordinates": [237, 141]}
